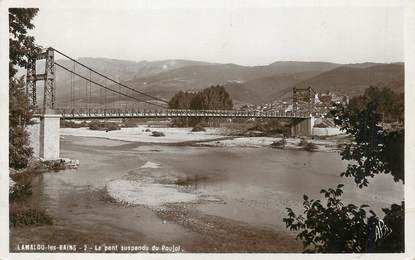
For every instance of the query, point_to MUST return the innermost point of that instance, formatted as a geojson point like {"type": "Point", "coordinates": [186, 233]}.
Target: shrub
{"type": "Point", "coordinates": [20, 191]}
{"type": "Point", "coordinates": [254, 133]}
{"type": "Point", "coordinates": [303, 142]}
{"type": "Point", "coordinates": [198, 128]}
{"type": "Point", "coordinates": [55, 165]}
{"type": "Point", "coordinates": [108, 126]}
{"type": "Point", "coordinates": [130, 123]}
{"type": "Point", "coordinates": [279, 144]}
{"type": "Point", "coordinates": [94, 125]}
{"type": "Point", "coordinates": [20, 151]}
{"type": "Point", "coordinates": [31, 216]}
{"type": "Point", "coordinates": [112, 126]}
{"type": "Point", "coordinates": [157, 134]}
{"type": "Point", "coordinates": [72, 124]}
{"type": "Point", "coordinates": [310, 147]}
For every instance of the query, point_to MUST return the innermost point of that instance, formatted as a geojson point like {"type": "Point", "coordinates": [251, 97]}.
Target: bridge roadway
{"type": "Point", "coordinates": [85, 114]}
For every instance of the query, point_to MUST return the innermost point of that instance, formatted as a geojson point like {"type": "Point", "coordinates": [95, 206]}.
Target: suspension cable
{"type": "Point", "coordinates": [86, 92]}
{"type": "Point", "coordinates": [72, 87]}
{"type": "Point", "coordinates": [102, 86]}
{"type": "Point", "coordinates": [105, 95]}
{"type": "Point", "coordinates": [89, 98]}
{"type": "Point", "coordinates": [110, 79]}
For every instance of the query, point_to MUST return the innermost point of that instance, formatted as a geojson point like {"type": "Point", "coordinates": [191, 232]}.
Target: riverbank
{"type": "Point", "coordinates": [143, 134]}
{"type": "Point", "coordinates": [212, 137]}
{"type": "Point", "coordinates": [22, 210]}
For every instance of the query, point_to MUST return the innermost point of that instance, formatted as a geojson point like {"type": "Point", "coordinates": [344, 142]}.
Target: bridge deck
{"type": "Point", "coordinates": [171, 113]}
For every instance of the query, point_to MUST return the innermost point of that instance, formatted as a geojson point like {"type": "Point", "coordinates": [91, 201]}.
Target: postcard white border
{"type": "Point", "coordinates": [409, 6]}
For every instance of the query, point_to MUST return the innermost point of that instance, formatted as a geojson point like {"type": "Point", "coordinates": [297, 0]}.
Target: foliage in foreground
{"type": "Point", "coordinates": [335, 227]}
{"type": "Point", "coordinates": [374, 149]}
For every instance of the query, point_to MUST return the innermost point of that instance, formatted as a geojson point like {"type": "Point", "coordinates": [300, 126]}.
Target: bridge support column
{"type": "Point", "coordinates": [302, 127]}
{"type": "Point", "coordinates": [49, 138]}
{"type": "Point", "coordinates": [44, 136]}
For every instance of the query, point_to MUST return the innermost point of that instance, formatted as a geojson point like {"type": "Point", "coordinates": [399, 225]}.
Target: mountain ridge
{"type": "Point", "coordinates": [246, 84]}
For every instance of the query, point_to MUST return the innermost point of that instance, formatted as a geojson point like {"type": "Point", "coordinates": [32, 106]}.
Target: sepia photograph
{"type": "Point", "coordinates": [143, 127]}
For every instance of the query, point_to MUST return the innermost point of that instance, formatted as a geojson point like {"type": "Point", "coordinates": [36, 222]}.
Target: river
{"type": "Point", "coordinates": [129, 192]}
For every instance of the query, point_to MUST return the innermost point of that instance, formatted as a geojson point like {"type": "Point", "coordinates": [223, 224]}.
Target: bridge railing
{"type": "Point", "coordinates": [105, 112]}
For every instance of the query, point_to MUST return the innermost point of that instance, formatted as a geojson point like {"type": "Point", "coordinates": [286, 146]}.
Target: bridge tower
{"type": "Point", "coordinates": [303, 95]}
{"type": "Point", "coordinates": [44, 133]}
{"type": "Point", "coordinates": [48, 78]}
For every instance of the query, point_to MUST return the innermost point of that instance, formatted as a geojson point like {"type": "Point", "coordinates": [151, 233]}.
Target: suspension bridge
{"type": "Point", "coordinates": [95, 95]}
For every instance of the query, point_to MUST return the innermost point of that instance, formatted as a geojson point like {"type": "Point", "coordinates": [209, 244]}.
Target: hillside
{"type": "Point", "coordinates": [121, 70]}
{"type": "Point", "coordinates": [255, 81]}
{"type": "Point", "coordinates": [291, 67]}
{"type": "Point", "coordinates": [353, 80]}
{"type": "Point", "coordinates": [246, 84]}
{"type": "Point", "coordinates": [273, 87]}
{"type": "Point", "coordinates": [259, 90]}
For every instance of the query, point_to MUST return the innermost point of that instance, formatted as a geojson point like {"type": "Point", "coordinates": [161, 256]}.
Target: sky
{"type": "Point", "coordinates": [245, 36]}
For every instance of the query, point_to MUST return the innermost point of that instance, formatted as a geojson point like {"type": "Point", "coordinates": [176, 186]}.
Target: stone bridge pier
{"type": "Point", "coordinates": [44, 136]}
{"type": "Point", "coordinates": [302, 126]}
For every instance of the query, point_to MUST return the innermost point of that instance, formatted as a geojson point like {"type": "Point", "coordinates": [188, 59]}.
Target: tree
{"type": "Point", "coordinates": [22, 48]}
{"type": "Point", "coordinates": [334, 227]}
{"type": "Point", "coordinates": [338, 228]}
{"type": "Point", "coordinates": [389, 103]}
{"type": "Point", "coordinates": [374, 150]}
{"type": "Point", "coordinates": [214, 97]}
{"type": "Point", "coordinates": [19, 117]}
{"type": "Point", "coordinates": [181, 100]}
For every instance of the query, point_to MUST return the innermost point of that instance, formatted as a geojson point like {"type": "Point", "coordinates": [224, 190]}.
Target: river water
{"type": "Point", "coordinates": [248, 185]}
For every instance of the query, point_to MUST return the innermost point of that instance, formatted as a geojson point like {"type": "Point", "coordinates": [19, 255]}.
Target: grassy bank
{"type": "Point", "coordinates": [22, 210]}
